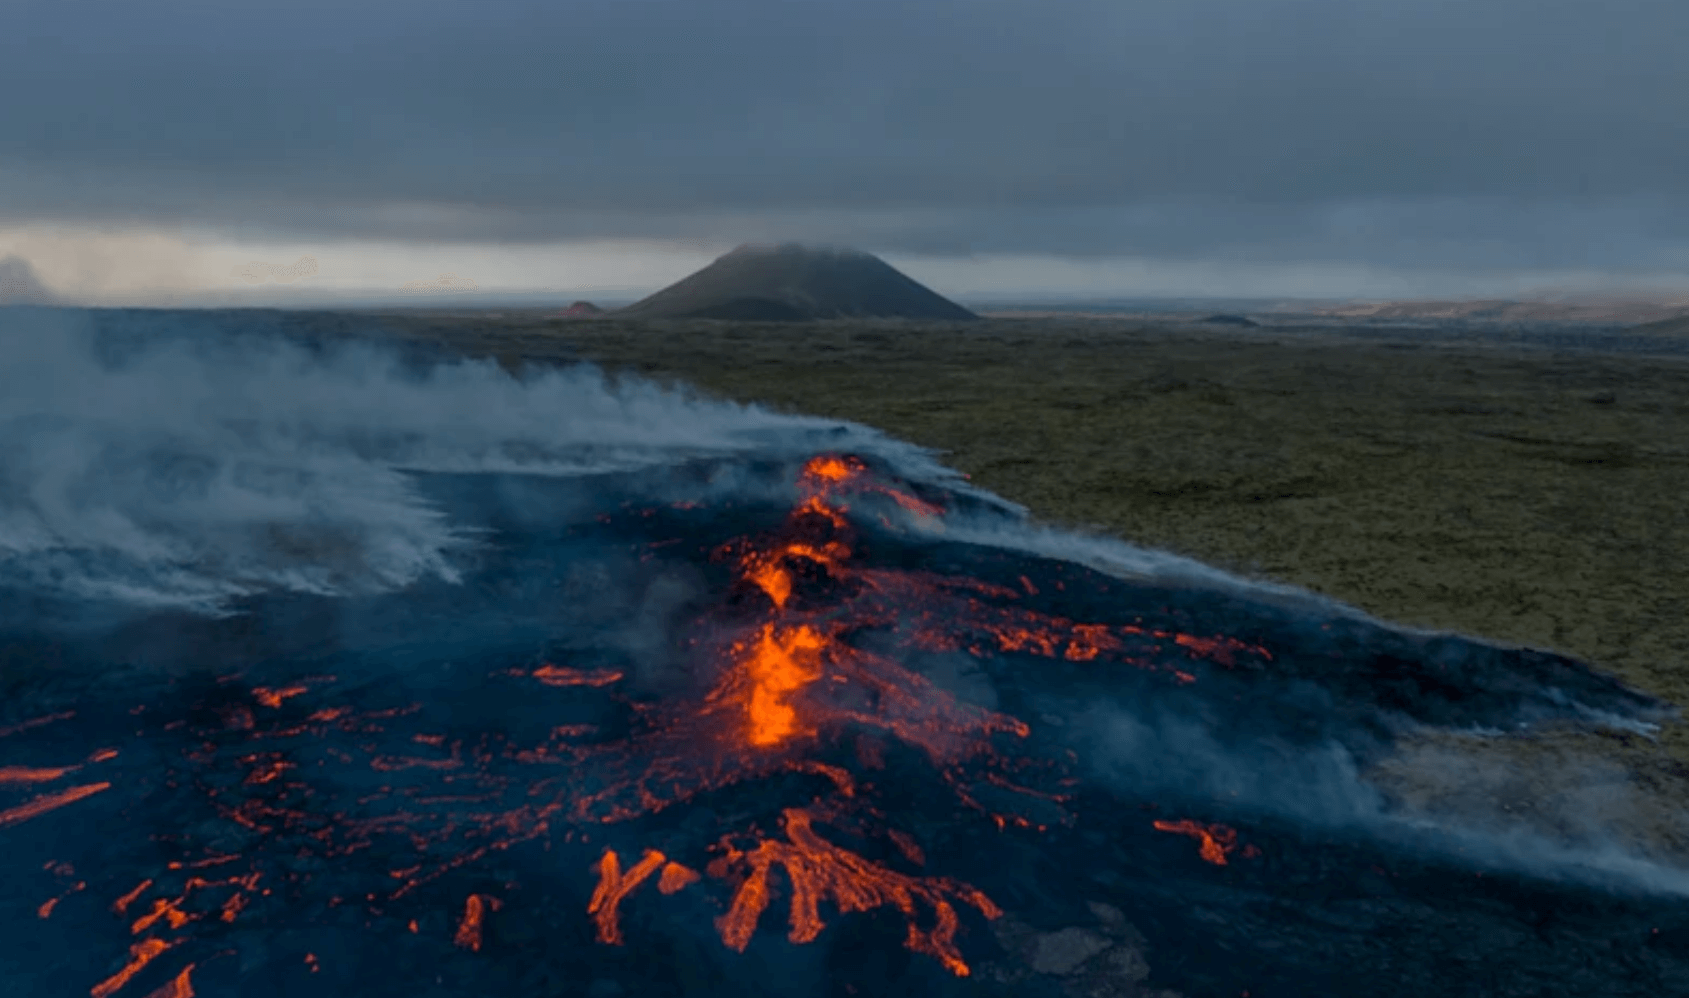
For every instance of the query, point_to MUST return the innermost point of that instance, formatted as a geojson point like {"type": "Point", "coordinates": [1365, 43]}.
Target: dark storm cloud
{"type": "Point", "coordinates": [1513, 132]}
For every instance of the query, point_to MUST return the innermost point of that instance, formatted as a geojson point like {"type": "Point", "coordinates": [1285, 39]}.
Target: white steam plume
{"type": "Point", "coordinates": [191, 473]}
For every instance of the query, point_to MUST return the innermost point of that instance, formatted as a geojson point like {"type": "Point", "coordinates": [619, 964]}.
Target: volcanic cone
{"type": "Point", "coordinates": [792, 283]}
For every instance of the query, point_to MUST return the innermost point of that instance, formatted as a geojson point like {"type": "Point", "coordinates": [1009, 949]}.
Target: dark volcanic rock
{"type": "Point", "coordinates": [425, 791]}
{"type": "Point", "coordinates": [753, 310]}
{"type": "Point", "coordinates": [790, 283]}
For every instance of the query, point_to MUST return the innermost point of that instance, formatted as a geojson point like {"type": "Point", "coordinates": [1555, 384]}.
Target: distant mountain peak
{"type": "Point", "coordinates": [794, 282]}
{"type": "Point", "coordinates": [20, 286]}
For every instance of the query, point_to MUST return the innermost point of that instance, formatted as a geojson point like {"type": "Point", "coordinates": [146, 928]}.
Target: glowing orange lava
{"type": "Point", "coordinates": [778, 665]}
{"type": "Point", "coordinates": [818, 870]}
{"type": "Point", "coordinates": [49, 802]}
{"type": "Point", "coordinates": [474, 918]}
{"type": "Point", "coordinates": [180, 986]}
{"type": "Point", "coordinates": [273, 698]}
{"type": "Point", "coordinates": [36, 722]}
{"type": "Point", "coordinates": [803, 665]}
{"type": "Point", "coordinates": [613, 886]}
{"type": "Point", "coordinates": [828, 467]}
{"type": "Point", "coordinates": [792, 681]}
{"type": "Point", "coordinates": [555, 675]}
{"type": "Point", "coordinates": [1216, 842]}
{"type": "Point", "coordinates": [140, 954]}
{"type": "Point", "coordinates": [676, 878]}
{"type": "Point", "coordinates": [25, 774]}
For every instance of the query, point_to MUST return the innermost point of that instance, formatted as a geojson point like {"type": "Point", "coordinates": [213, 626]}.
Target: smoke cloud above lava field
{"type": "Point", "coordinates": [188, 472]}
{"type": "Point", "coordinates": [334, 670]}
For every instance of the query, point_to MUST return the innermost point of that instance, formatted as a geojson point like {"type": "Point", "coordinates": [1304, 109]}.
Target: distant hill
{"type": "Point", "coordinates": [790, 283]}
{"type": "Point", "coordinates": [20, 286]}
{"type": "Point", "coordinates": [1666, 327]}
{"type": "Point", "coordinates": [1606, 309]}
{"type": "Point", "coordinates": [1231, 320]}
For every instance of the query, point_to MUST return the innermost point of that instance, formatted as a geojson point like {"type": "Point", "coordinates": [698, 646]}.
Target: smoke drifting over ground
{"type": "Point", "coordinates": [185, 472]}
{"type": "Point", "coordinates": [394, 676]}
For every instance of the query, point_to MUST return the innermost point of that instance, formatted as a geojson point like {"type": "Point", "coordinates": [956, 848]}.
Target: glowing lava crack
{"type": "Point", "coordinates": [783, 690]}
{"type": "Point", "coordinates": [790, 682]}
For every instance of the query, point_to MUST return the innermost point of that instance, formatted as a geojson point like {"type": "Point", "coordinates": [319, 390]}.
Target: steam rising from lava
{"type": "Point", "coordinates": [187, 473]}
{"type": "Point", "coordinates": [454, 659]}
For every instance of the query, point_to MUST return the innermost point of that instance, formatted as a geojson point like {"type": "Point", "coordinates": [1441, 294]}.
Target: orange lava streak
{"type": "Point", "coordinates": [613, 886]}
{"type": "Point", "coordinates": [1221, 649]}
{"type": "Point", "coordinates": [12, 729]}
{"type": "Point", "coordinates": [819, 870]}
{"type": "Point", "coordinates": [474, 916]}
{"type": "Point", "coordinates": [140, 954]}
{"type": "Point", "coordinates": [676, 878]}
{"type": "Point", "coordinates": [830, 469]}
{"type": "Point", "coordinates": [842, 780]}
{"type": "Point", "coordinates": [557, 675]}
{"type": "Point", "coordinates": [267, 772]}
{"type": "Point", "coordinates": [1217, 841]}
{"type": "Point", "coordinates": [232, 908]}
{"type": "Point", "coordinates": [910, 849]}
{"type": "Point", "coordinates": [48, 906]}
{"type": "Point", "coordinates": [393, 764]}
{"type": "Point", "coordinates": [49, 802]}
{"type": "Point", "coordinates": [912, 504]}
{"type": "Point", "coordinates": [180, 986]}
{"type": "Point", "coordinates": [170, 911]}
{"type": "Point", "coordinates": [25, 774]}
{"type": "Point", "coordinates": [122, 904]}
{"type": "Point", "coordinates": [274, 698]}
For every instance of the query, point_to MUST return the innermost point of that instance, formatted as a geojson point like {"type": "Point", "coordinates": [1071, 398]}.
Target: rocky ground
{"type": "Point", "coordinates": [1528, 496]}
{"type": "Point", "coordinates": [1532, 497]}
{"type": "Point", "coordinates": [1518, 492]}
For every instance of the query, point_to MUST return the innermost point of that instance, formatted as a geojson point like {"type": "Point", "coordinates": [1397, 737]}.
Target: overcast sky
{"type": "Point", "coordinates": [1128, 146]}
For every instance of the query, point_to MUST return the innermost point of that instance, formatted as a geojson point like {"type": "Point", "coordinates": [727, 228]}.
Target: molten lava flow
{"type": "Point", "coordinates": [121, 905]}
{"type": "Point", "coordinates": [49, 802]}
{"type": "Point", "coordinates": [140, 954]}
{"type": "Point", "coordinates": [1216, 842]}
{"type": "Point", "coordinates": [556, 675]}
{"type": "Point", "coordinates": [36, 722]}
{"type": "Point", "coordinates": [791, 683]}
{"type": "Point", "coordinates": [613, 886]}
{"type": "Point", "coordinates": [780, 664]}
{"type": "Point", "coordinates": [26, 774]}
{"type": "Point", "coordinates": [273, 698]}
{"type": "Point", "coordinates": [474, 917]}
{"type": "Point", "coordinates": [676, 878]}
{"type": "Point", "coordinates": [180, 986]}
{"type": "Point", "coordinates": [803, 669]}
{"type": "Point", "coordinates": [819, 870]}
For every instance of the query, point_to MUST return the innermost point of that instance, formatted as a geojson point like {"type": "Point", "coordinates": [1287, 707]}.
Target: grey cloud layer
{"type": "Point", "coordinates": [1515, 132]}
